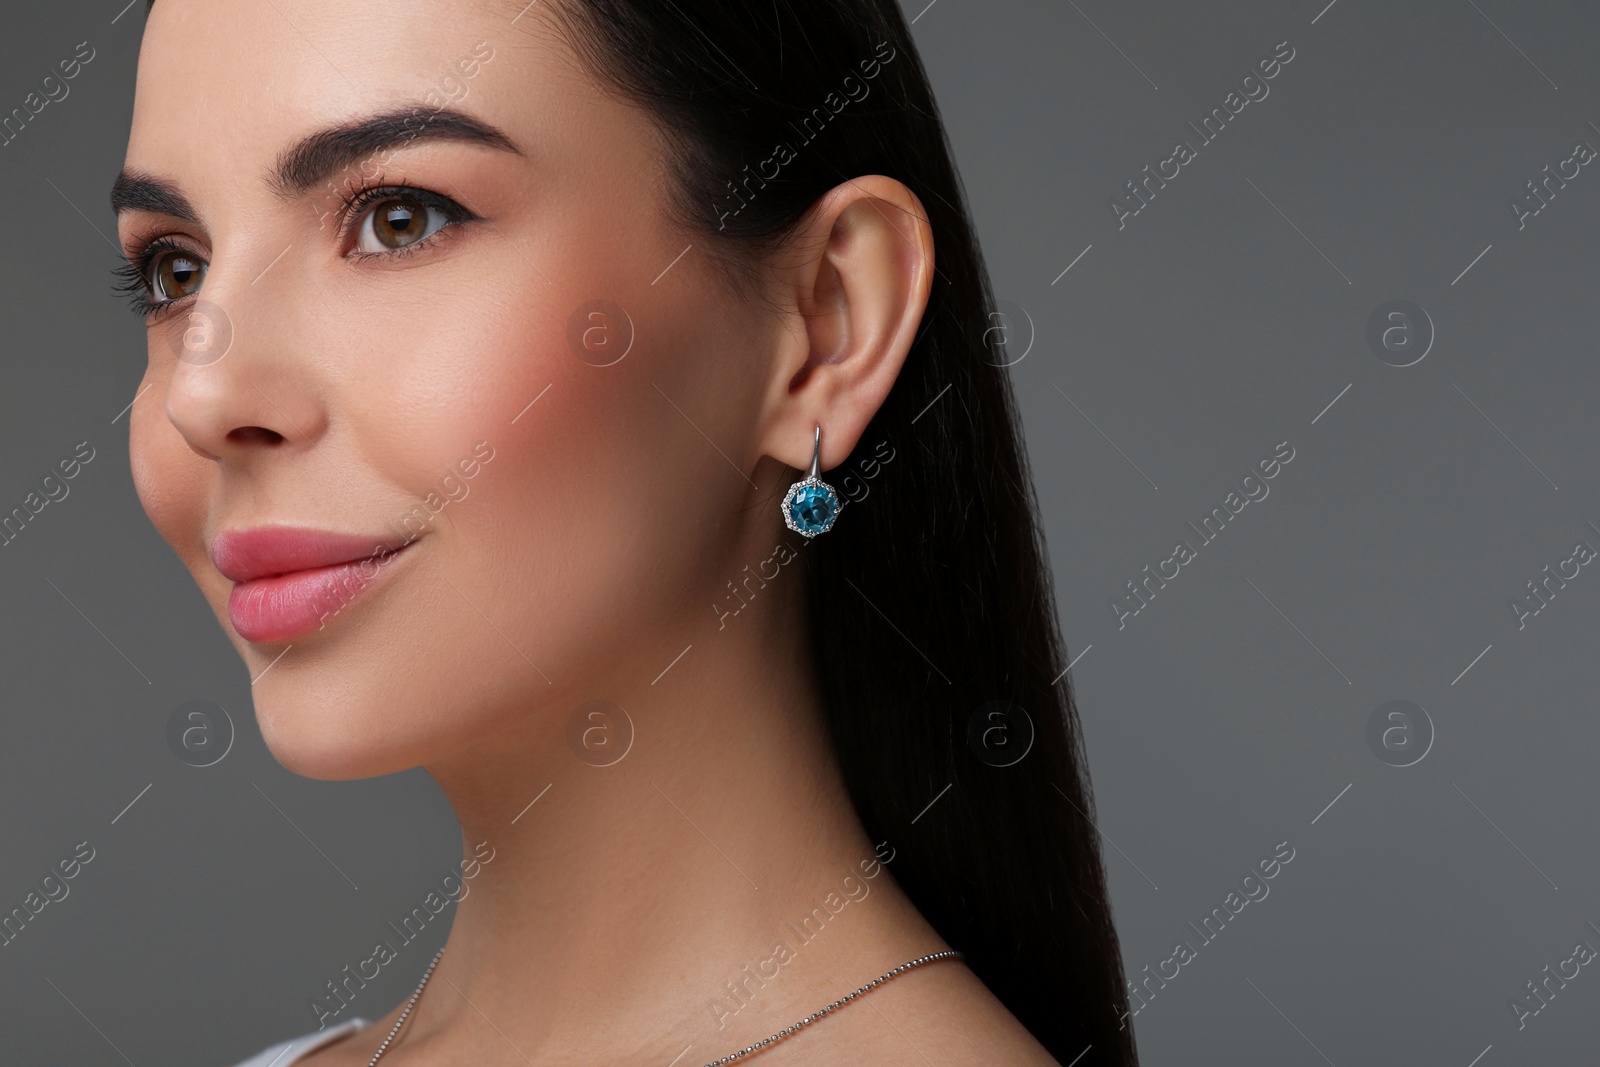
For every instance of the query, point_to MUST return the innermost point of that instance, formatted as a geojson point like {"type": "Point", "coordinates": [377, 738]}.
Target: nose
{"type": "Point", "coordinates": [236, 389]}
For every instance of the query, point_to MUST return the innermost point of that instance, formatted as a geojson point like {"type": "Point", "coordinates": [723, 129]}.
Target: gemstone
{"type": "Point", "coordinates": [812, 508]}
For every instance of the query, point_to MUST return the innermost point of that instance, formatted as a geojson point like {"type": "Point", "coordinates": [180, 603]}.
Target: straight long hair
{"type": "Point", "coordinates": [932, 612]}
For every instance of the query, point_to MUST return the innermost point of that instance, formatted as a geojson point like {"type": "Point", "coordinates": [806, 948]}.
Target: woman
{"type": "Point", "coordinates": [486, 344]}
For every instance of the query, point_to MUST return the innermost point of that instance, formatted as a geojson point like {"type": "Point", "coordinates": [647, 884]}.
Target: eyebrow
{"type": "Point", "coordinates": [134, 190]}
{"type": "Point", "coordinates": [320, 154]}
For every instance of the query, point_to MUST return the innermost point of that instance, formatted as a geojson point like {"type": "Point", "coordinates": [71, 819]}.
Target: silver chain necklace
{"type": "Point", "coordinates": [763, 1043]}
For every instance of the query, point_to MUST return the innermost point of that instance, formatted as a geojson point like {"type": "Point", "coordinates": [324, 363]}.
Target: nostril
{"type": "Point", "coordinates": [246, 435]}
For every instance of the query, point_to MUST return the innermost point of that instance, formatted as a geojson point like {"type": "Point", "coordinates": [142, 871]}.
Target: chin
{"type": "Point", "coordinates": [331, 744]}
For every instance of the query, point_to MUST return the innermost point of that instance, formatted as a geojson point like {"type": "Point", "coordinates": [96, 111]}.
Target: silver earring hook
{"type": "Point", "coordinates": [816, 454]}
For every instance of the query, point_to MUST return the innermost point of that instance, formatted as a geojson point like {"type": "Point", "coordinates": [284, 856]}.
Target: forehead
{"type": "Point", "coordinates": [237, 84]}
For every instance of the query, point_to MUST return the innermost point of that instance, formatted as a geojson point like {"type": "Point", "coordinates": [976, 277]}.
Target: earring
{"type": "Point", "coordinates": [810, 506]}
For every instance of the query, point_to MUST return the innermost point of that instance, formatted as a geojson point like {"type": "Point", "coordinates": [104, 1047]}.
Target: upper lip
{"type": "Point", "coordinates": [264, 551]}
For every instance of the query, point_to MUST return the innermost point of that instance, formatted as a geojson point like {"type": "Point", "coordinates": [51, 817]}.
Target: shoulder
{"type": "Point", "coordinates": [940, 1014]}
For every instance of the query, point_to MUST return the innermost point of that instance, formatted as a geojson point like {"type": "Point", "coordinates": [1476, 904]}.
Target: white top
{"type": "Point", "coordinates": [292, 1051]}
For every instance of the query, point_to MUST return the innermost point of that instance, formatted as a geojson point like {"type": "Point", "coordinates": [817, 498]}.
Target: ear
{"type": "Point", "coordinates": [855, 293]}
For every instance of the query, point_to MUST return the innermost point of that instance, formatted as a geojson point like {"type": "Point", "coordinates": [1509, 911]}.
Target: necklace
{"type": "Point", "coordinates": [847, 998]}
{"type": "Point", "coordinates": [763, 1043]}
{"type": "Point", "coordinates": [409, 1004]}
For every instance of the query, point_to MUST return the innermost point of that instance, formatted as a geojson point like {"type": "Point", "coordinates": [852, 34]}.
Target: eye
{"type": "Point", "coordinates": [158, 274]}
{"type": "Point", "coordinates": [395, 219]}
{"type": "Point", "coordinates": [397, 222]}
{"type": "Point", "coordinates": [175, 274]}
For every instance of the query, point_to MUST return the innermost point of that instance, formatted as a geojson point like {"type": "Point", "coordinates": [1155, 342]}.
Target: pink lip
{"type": "Point", "coordinates": [289, 580]}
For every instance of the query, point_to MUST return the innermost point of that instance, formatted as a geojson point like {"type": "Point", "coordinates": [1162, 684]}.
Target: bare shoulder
{"type": "Point", "coordinates": [943, 1016]}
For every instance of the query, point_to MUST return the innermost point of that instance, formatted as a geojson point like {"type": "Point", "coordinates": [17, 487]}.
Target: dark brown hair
{"type": "Point", "coordinates": [931, 605]}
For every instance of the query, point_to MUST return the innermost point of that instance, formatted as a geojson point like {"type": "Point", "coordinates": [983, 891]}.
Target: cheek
{"type": "Point", "coordinates": [424, 373]}
{"type": "Point", "coordinates": [603, 511]}
{"type": "Point", "coordinates": [172, 482]}
{"type": "Point", "coordinates": [577, 530]}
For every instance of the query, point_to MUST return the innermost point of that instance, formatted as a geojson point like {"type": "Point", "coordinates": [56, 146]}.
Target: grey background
{"type": "Point", "coordinates": [1175, 353]}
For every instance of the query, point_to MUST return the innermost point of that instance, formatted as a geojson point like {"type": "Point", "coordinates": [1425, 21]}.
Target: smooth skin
{"type": "Point", "coordinates": [588, 553]}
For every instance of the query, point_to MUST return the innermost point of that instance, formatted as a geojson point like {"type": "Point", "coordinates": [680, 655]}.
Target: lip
{"type": "Point", "coordinates": [289, 580]}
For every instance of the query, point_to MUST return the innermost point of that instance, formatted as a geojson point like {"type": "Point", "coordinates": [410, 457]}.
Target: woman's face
{"type": "Point", "coordinates": [510, 366]}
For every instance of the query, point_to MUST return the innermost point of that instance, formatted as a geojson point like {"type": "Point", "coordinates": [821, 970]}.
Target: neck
{"type": "Point", "coordinates": [707, 888]}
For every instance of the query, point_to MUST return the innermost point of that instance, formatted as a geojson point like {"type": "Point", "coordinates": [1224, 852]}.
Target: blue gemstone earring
{"type": "Point", "coordinates": [810, 506]}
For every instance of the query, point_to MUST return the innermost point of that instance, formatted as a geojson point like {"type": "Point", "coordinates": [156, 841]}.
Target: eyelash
{"type": "Point", "coordinates": [134, 274]}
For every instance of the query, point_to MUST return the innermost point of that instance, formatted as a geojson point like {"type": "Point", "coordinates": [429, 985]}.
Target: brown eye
{"type": "Point", "coordinates": [177, 275]}
{"type": "Point", "coordinates": [397, 222]}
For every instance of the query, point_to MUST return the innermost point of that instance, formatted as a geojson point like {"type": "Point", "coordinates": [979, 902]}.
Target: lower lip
{"type": "Point", "coordinates": [287, 606]}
